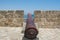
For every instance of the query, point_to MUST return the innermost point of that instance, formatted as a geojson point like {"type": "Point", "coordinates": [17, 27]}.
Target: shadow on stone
{"type": "Point", "coordinates": [29, 39]}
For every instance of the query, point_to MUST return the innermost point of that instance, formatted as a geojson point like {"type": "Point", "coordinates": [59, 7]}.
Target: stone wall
{"type": "Point", "coordinates": [47, 19]}
{"type": "Point", "coordinates": [44, 19]}
{"type": "Point", "coordinates": [11, 18]}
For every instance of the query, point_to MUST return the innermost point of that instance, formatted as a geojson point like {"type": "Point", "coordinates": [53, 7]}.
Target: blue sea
{"type": "Point", "coordinates": [25, 16]}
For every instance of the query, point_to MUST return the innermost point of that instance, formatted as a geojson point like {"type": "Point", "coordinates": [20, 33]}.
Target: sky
{"type": "Point", "coordinates": [29, 5]}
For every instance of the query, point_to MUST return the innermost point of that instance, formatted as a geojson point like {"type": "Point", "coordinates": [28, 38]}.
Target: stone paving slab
{"type": "Point", "coordinates": [15, 33]}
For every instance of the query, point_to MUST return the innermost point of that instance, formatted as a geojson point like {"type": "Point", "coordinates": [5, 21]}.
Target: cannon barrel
{"type": "Point", "coordinates": [30, 29]}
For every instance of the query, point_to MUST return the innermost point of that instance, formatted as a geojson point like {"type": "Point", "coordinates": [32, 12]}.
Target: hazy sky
{"type": "Point", "coordinates": [29, 5]}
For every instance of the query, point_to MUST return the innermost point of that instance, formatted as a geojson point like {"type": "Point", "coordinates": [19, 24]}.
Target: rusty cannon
{"type": "Point", "coordinates": [30, 29]}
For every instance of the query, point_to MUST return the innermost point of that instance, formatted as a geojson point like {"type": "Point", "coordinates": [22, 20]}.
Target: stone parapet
{"type": "Point", "coordinates": [12, 18]}
{"type": "Point", "coordinates": [47, 19]}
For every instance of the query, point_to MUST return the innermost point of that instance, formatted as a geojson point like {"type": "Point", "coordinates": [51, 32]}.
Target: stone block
{"type": "Point", "coordinates": [20, 13]}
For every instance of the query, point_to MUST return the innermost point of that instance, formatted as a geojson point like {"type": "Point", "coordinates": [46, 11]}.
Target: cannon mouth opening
{"type": "Point", "coordinates": [31, 33]}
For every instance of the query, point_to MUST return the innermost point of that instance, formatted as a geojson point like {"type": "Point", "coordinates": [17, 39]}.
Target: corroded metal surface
{"type": "Point", "coordinates": [30, 29]}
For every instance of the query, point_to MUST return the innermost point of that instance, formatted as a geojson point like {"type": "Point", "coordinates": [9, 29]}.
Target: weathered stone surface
{"type": "Point", "coordinates": [1, 16]}
{"type": "Point", "coordinates": [14, 33]}
{"type": "Point", "coordinates": [13, 22]}
{"type": "Point", "coordinates": [36, 20]}
{"type": "Point", "coordinates": [19, 13]}
{"type": "Point", "coordinates": [11, 18]}
{"type": "Point", "coordinates": [2, 12]}
{"type": "Point", "coordinates": [10, 33]}
{"type": "Point", "coordinates": [47, 19]}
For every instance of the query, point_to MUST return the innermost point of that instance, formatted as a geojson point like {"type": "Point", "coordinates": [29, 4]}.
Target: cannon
{"type": "Point", "coordinates": [30, 29]}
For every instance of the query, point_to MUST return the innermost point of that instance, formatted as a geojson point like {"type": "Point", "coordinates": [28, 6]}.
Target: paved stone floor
{"type": "Point", "coordinates": [15, 33]}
